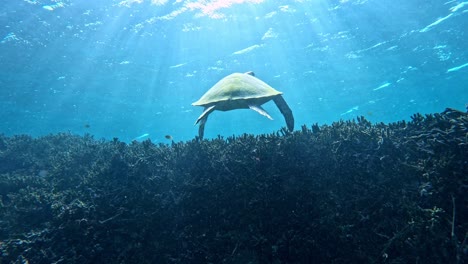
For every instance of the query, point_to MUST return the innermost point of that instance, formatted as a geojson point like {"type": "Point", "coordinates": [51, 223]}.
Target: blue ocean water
{"type": "Point", "coordinates": [132, 68]}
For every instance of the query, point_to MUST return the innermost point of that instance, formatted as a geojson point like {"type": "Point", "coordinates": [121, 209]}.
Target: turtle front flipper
{"type": "Point", "coordinates": [286, 111]}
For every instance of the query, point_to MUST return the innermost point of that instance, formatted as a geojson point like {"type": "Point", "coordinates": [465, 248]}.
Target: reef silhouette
{"type": "Point", "coordinates": [349, 192]}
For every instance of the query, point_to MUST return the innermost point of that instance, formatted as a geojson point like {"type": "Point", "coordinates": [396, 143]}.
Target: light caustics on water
{"type": "Point", "coordinates": [54, 6]}
{"type": "Point", "coordinates": [205, 8]}
{"type": "Point", "coordinates": [355, 108]}
{"type": "Point", "coordinates": [457, 68]}
{"type": "Point", "coordinates": [141, 137]}
{"type": "Point", "coordinates": [177, 65]}
{"type": "Point", "coordinates": [249, 49]}
{"type": "Point", "coordinates": [9, 37]}
{"type": "Point", "coordinates": [382, 86]}
{"type": "Point", "coordinates": [453, 10]}
{"type": "Point", "coordinates": [438, 21]}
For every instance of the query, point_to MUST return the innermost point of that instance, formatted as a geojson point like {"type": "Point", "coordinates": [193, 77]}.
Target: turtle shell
{"type": "Point", "coordinates": [237, 86]}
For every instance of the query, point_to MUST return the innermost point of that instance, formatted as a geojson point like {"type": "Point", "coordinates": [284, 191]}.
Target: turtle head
{"type": "Point", "coordinates": [250, 73]}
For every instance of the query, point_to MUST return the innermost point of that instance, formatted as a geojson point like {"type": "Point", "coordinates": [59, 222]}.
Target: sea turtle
{"type": "Point", "coordinates": [239, 91]}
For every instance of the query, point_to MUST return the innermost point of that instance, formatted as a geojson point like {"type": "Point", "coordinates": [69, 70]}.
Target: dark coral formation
{"type": "Point", "coordinates": [351, 192]}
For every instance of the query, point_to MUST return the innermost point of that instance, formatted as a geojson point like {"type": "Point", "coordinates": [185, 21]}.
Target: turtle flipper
{"type": "Point", "coordinates": [260, 110]}
{"type": "Point", "coordinates": [202, 120]}
{"type": "Point", "coordinates": [205, 113]}
{"type": "Point", "coordinates": [201, 128]}
{"type": "Point", "coordinates": [286, 111]}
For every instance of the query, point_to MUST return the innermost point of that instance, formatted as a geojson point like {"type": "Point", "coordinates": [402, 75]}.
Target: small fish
{"type": "Point", "coordinates": [169, 137]}
{"type": "Point", "coordinates": [87, 126]}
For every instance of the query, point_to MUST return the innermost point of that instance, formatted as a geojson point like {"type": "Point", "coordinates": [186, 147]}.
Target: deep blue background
{"type": "Point", "coordinates": [116, 69]}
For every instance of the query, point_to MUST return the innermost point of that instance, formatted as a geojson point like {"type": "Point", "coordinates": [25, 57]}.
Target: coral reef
{"type": "Point", "coordinates": [349, 192]}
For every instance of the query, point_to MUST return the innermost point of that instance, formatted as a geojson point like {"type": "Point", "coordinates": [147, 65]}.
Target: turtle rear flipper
{"type": "Point", "coordinates": [201, 128]}
{"type": "Point", "coordinates": [205, 113]}
{"type": "Point", "coordinates": [285, 110]}
{"type": "Point", "coordinates": [202, 120]}
{"type": "Point", "coordinates": [260, 110]}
